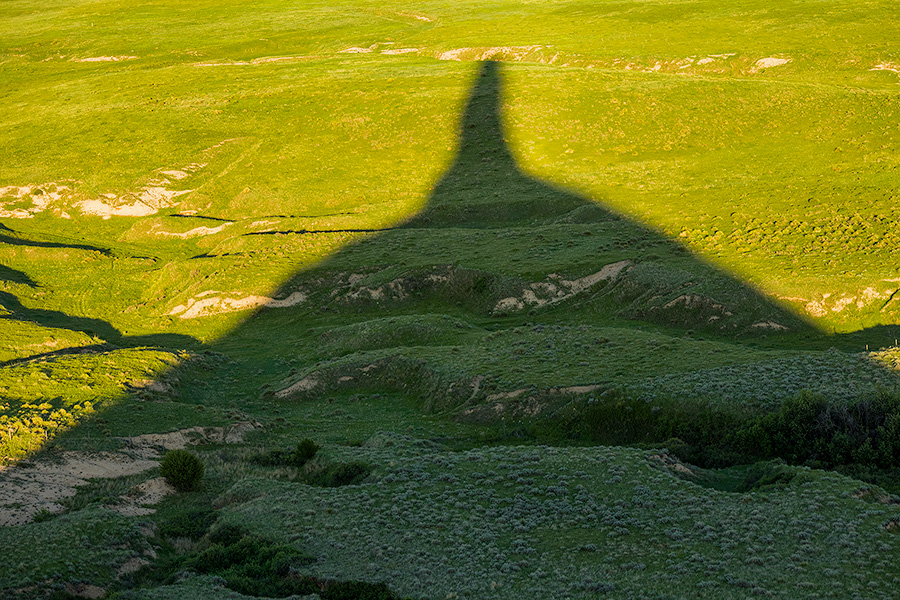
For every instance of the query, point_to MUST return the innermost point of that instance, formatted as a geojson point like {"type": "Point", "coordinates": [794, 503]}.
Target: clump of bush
{"type": "Point", "coordinates": [357, 590]}
{"type": "Point", "coordinates": [692, 430]}
{"type": "Point", "coordinates": [297, 457]}
{"type": "Point", "coordinates": [765, 474]}
{"type": "Point", "coordinates": [860, 439]}
{"type": "Point", "coordinates": [253, 566]}
{"type": "Point", "coordinates": [192, 524]}
{"type": "Point", "coordinates": [42, 515]}
{"type": "Point", "coordinates": [329, 475]}
{"type": "Point", "coordinates": [808, 428]}
{"type": "Point", "coordinates": [226, 535]}
{"type": "Point", "coordinates": [182, 469]}
{"type": "Point", "coordinates": [258, 567]}
{"type": "Point", "coordinates": [339, 474]}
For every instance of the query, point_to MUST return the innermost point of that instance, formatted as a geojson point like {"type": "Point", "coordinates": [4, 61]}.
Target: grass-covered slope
{"type": "Point", "coordinates": [431, 237]}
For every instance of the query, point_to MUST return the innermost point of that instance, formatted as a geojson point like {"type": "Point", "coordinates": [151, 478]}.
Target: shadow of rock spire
{"type": "Point", "coordinates": [496, 241]}
{"type": "Point", "coordinates": [484, 186]}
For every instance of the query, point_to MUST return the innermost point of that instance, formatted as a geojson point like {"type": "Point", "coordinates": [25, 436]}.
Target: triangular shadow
{"type": "Point", "coordinates": [432, 257]}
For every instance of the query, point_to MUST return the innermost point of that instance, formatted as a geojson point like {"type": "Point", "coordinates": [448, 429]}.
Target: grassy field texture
{"type": "Point", "coordinates": [432, 237]}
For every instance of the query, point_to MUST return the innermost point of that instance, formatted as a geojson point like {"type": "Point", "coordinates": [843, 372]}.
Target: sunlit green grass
{"type": "Point", "coordinates": [612, 131]}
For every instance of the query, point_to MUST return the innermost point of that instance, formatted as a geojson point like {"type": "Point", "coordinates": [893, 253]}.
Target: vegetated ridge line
{"type": "Point", "coordinates": [303, 231]}
{"type": "Point", "coordinates": [189, 216]}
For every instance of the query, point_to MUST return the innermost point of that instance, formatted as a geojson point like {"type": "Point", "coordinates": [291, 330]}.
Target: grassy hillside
{"type": "Point", "coordinates": [529, 264]}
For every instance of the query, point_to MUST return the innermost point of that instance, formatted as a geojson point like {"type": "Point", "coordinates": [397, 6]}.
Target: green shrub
{"type": "Point", "coordinates": [191, 524]}
{"type": "Point", "coordinates": [43, 514]}
{"type": "Point", "coordinates": [182, 469]}
{"type": "Point", "coordinates": [339, 474]}
{"type": "Point", "coordinates": [298, 457]}
{"type": "Point", "coordinates": [305, 451]}
{"type": "Point", "coordinates": [252, 565]}
{"type": "Point", "coordinates": [357, 590]}
{"type": "Point", "coordinates": [807, 428]}
{"type": "Point", "coordinates": [257, 567]}
{"type": "Point", "coordinates": [763, 475]}
{"type": "Point", "coordinates": [226, 535]}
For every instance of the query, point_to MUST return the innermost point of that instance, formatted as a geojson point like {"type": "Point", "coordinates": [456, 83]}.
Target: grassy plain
{"type": "Point", "coordinates": [426, 235]}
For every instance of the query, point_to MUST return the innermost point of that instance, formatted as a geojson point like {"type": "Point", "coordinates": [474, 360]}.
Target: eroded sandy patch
{"type": "Point", "coordinates": [769, 325]}
{"type": "Point", "coordinates": [213, 302]}
{"type": "Point", "coordinates": [558, 289]}
{"type": "Point", "coordinates": [262, 60]}
{"type": "Point", "coordinates": [58, 196]}
{"type": "Point", "coordinates": [487, 53]}
{"type": "Point", "coordinates": [42, 197]}
{"type": "Point", "coordinates": [149, 201]}
{"type": "Point", "coordinates": [104, 58]}
{"type": "Point", "coordinates": [137, 501]}
{"type": "Point", "coordinates": [358, 50]}
{"type": "Point", "coordinates": [507, 395]}
{"type": "Point", "coordinates": [27, 488]}
{"type": "Point", "coordinates": [304, 385]}
{"type": "Point", "coordinates": [886, 66]}
{"type": "Point", "coordinates": [769, 62]}
{"type": "Point", "coordinates": [192, 233]}
{"type": "Point", "coordinates": [416, 16]}
{"type": "Point", "coordinates": [878, 294]}
{"type": "Point", "coordinates": [25, 491]}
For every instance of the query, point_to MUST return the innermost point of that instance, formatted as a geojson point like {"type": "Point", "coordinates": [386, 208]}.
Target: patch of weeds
{"type": "Point", "coordinates": [889, 479]}
{"type": "Point", "coordinates": [191, 524]}
{"type": "Point", "coordinates": [893, 526]}
{"type": "Point", "coordinates": [340, 474]}
{"type": "Point", "coordinates": [357, 590]}
{"type": "Point", "coordinates": [102, 491]}
{"type": "Point", "coordinates": [861, 439]}
{"type": "Point", "coordinates": [254, 566]}
{"type": "Point", "coordinates": [298, 457]}
{"type": "Point", "coordinates": [88, 545]}
{"type": "Point", "coordinates": [760, 476]}
{"type": "Point", "coordinates": [765, 475]}
{"type": "Point", "coordinates": [226, 535]}
{"type": "Point", "coordinates": [42, 515]}
{"type": "Point", "coordinates": [330, 475]}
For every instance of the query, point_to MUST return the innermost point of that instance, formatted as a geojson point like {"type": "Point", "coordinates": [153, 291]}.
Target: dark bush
{"type": "Point", "coordinates": [305, 451]}
{"type": "Point", "coordinates": [861, 437]}
{"type": "Point", "coordinates": [226, 535]}
{"type": "Point", "coordinates": [764, 475]}
{"type": "Point", "coordinates": [192, 524]}
{"type": "Point", "coordinates": [618, 419]}
{"type": "Point", "coordinates": [182, 470]}
{"type": "Point", "coordinates": [298, 457]}
{"type": "Point", "coordinates": [807, 428]}
{"type": "Point", "coordinates": [357, 590]}
{"type": "Point", "coordinates": [254, 566]}
{"type": "Point", "coordinates": [258, 567]}
{"type": "Point", "coordinates": [42, 515]}
{"type": "Point", "coordinates": [339, 474]}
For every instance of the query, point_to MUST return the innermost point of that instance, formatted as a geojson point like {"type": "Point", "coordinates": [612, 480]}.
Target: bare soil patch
{"type": "Point", "coordinates": [29, 487]}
